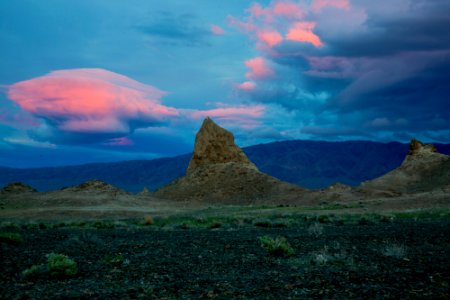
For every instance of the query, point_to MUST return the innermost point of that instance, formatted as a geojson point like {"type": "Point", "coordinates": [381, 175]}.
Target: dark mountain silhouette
{"type": "Point", "coordinates": [311, 164]}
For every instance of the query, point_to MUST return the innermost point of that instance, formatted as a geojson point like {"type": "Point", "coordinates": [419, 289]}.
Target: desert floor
{"type": "Point", "coordinates": [216, 253]}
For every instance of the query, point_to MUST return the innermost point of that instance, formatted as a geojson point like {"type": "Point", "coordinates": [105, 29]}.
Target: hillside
{"type": "Point", "coordinates": [311, 164]}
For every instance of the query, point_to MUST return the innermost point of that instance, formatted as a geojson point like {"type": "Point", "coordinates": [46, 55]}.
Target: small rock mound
{"type": "Point", "coordinates": [18, 188]}
{"type": "Point", "coordinates": [423, 169]}
{"type": "Point", "coordinates": [220, 172]}
{"type": "Point", "coordinates": [93, 186]}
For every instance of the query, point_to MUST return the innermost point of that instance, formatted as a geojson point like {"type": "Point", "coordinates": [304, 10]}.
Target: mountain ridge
{"type": "Point", "coordinates": [311, 164]}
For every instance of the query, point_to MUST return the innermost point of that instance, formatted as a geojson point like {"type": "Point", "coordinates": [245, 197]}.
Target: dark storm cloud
{"type": "Point", "coordinates": [423, 27]}
{"type": "Point", "coordinates": [384, 68]}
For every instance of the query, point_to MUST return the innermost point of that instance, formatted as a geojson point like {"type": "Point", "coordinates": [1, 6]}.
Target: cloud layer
{"type": "Point", "coordinates": [82, 106]}
{"type": "Point", "coordinates": [91, 100]}
{"type": "Point", "coordinates": [344, 64]}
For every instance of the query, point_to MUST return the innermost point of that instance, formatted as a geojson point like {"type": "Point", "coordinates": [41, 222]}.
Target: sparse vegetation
{"type": "Point", "coordinates": [116, 259]}
{"type": "Point", "coordinates": [10, 238]}
{"type": "Point", "coordinates": [148, 220]}
{"type": "Point", "coordinates": [315, 229]}
{"type": "Point", "coordinates": [395, 250]}
{"type": "Point", "coordinates": [34, 271]}
{"type": "Point", "coordinates": [60, 265]}
{"type": "Point", "coordinates": [262, 223]}
{"type": "Point", "coordinates": [278, 246]}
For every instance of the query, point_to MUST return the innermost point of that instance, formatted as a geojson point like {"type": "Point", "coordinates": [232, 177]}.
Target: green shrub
{"type": "Point", "coordinates": [315, 229]}
{"type": "Point", "coordinates": [34, 271]}
{"type": "Point", "coordinates": [103, 225]}
{"type": "Point", "coordinates": [323, 219]}
{"type": "Point", "coordinates": [363, 221]}
{"type": "Point", "coordinates": [116, 259]}
{"type": "Point", "coordinates": [262, 223]}
{"type": "Point", "coordinates": [395, 250]}
{"type": "Point", "coordinates": [60, 265]}
{"type": "Point", "coordinates": [214, 225]}
{"type": "Point", "coordinates": [278, 246]}
{"type": "Point", "coordinates": [10, 238]}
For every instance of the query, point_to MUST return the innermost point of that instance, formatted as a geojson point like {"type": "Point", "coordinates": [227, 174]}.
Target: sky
{"type": "Point", "coordinates": [107, 80]}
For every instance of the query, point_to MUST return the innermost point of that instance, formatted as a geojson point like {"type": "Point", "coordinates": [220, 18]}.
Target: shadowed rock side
{"type": "Point", "coordinates": [219, 171]}
{"type": "Point", "coordinates": [422, 170]}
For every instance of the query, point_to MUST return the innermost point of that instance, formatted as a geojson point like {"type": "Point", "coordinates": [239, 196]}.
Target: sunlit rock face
{"type": "Point", "coordinates": [215, 145]}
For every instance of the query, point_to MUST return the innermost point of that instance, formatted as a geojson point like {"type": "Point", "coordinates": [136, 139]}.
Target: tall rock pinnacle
{"type": "Point", "coordinates": [220, 172]}
{"type": "Point", "coordinates": [215, 145]}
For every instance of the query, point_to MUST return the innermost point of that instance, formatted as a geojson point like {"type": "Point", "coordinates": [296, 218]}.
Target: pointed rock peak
{"type": "Point", "coordinates": [215, 145]}
{"type": "Point", "coordinates": [417, 147]}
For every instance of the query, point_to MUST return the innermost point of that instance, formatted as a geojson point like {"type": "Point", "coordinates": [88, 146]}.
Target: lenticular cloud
{"type": "Point", "coordinates": [91, 100]}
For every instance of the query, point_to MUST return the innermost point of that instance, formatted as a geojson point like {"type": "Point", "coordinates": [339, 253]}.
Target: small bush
{"type": "Point", "coordinates": [395, 250]}
{"type": "Point", "coordinates": [214, 225]}
{"type": "Point", "coordinates": [363, 221]}
{"type": "Point", "coordinates": [103, 225]}
{"type": "Point", "coordinates": [278, 246]}
{"type": "Point", "coordinates": [148, 220]}
{"type": "Point", "coordinates": [117, 259]}
{"type": "Point", "coordinates": [266, 223]}
{"type": "Point", "coordinates": [316, 229]}
{"type": "Point", "coordinates": [60, 265]}
{"type": "Point", "coordinates": [34, 271]}
{"type": "Point", "coordinates": [10, 238]}
{"type": "Point", "coordinates": [323, 219]}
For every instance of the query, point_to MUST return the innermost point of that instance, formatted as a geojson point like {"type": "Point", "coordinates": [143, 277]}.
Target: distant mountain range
{"type": "Point", "coordinates": [311, 164]}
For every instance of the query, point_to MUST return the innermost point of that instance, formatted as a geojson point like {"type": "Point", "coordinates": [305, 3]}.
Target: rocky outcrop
{"type": "Point", "coordinates": [219, 171]}
{"type": "Point", "coordinates": [17, 188]}
{"type": "Point", "coordinates": [422, 170]}
{"type": "Point", "coordinates": [93, 186]}
{"type": "Point", "coordinates": [215, 145]}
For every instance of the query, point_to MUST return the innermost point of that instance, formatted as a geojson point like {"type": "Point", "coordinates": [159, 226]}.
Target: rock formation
{"type": "Point", "coordinates": [219, 171]}
{"type": "Point", "coordinates": [17, 188]}
{"type": "Point", "coordinates": [93, 186]}
{"type": "Point", "coordinates": [422, 170]}
{"type": "Point", "coordinates": [215, 145]}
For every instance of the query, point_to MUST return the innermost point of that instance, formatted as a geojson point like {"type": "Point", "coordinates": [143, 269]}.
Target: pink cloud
{"type": "Point", "coordinates": [258, 11]}
{"type": "Point", "coordinates": [287, 9]}
{"type": "Point", "coordinates": [302, 32]}
{"type": "Point", "coordinates": [318, 5]}
{"type": "Point", "coordinates": [269, 37]}
{"type": "Point", "coordinates": [90, 100]}
{"type": "Point", "coordinates": [247, 86]}
{"type": "Point", "coordinates": [258, 69]}
{"type": "Point", "coordinates": [217, 30]}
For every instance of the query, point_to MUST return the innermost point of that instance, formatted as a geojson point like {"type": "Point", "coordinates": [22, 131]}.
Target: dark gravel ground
{"type": "Point", "coordinates": [343, 262]}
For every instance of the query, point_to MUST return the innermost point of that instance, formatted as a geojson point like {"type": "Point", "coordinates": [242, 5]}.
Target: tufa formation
{"type": "Point", "coordinates": [423, 170]}
{"type": "Point", "coordinates": [215, 145]}
{"type": "Point", "coordinates": [220, 172]}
